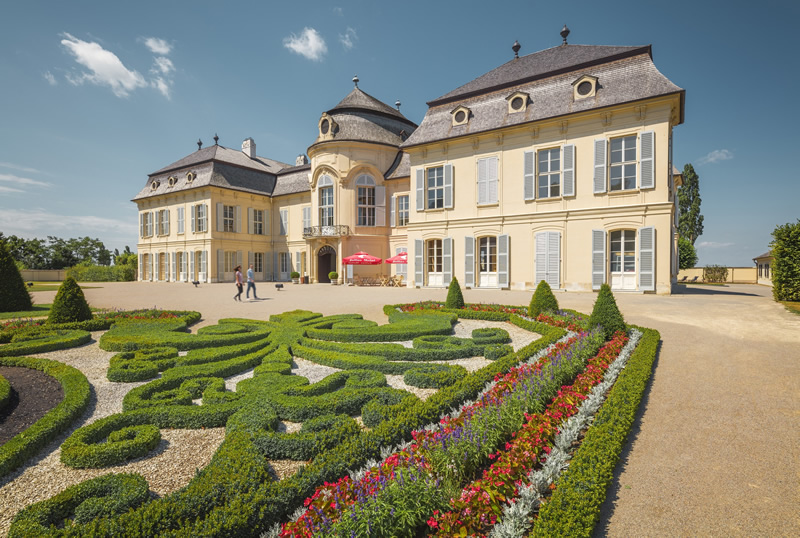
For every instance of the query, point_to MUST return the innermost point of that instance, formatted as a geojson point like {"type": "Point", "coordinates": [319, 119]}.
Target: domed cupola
{"type": "Point", "coordinates": [359, 117]}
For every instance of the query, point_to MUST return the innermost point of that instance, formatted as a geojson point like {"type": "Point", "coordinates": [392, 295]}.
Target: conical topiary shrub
{"type": "Point", "coordinates": [69, 304]}
{"type": "Point", "coordinates": [14, 296]}
{"type": "Point", "coordinates": [606, 314]}
{"type": "Point", "coordinates": [454, 297]}
{"type": "Point", "coordinates": [542, 301]}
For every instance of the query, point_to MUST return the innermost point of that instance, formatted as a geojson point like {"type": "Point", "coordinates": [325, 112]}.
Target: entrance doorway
{"type": "Point", "coordinates": [326, 262]}
{"type": "Point", "coordinates": [623, 260]}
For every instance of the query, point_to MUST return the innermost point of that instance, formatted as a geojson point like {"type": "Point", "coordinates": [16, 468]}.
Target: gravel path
{"type": "Point", "coordinates": [715, 450]}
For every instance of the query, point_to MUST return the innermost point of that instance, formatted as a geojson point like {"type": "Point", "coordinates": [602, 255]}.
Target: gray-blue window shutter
{"type": "Point", "coordinates": [267, 267]}
{"type": "Point", "coordinates": [220, 210]}
{"type": "Point", "coordinates": [152, 273]}
{"type": "Point", "coordinates": [192, 273]}
{"type": "Point", "coordinates": [275, 267]}
{"type": "Point", "coordinates": [250, 220]}
{"type": "Point", "coordinates": [647, 161]}
{"type": "Point", "coordinates": [237, 219]}
{"type": "Point", "coordinates": [540, 262]}
{"type": "Point", "coordinates": [469, 262]}
{"type": "Point", "coordinates": [569, 170]}
{"type": "Point", "coordinates": [554, 259]}
{"type": "Point", "coordinates": [647, 258]}
{"type": "Point", "coordinates": [502, 260]}
{"type": "Point", "coordinates": [141, 226]}
{"type": "Point", "coordinates": [220, 265]}
{"type": "Point", "coordinates": [141, 266]}
{"type": "Point", "coordinates": [250, 259]}
{"type": "Point", "coordinates": [600, 165]}
{"type": "Point", "coordinates": [297, 256]}
{"type": "Point", "coordinates": [448, 186]}
{"type": "Point", "coordinates": [174, 268]}
{"type": "Point", "coordinates": [419, 270]}
{"type": "Point", "coordinates": [598, 258]}
{"type": "Point", "coordinates": [204, 261]}
{"type": "Point", "coordinates": [529, 175]}
{"type": "Point", "coordinates": [380, 205]}
{"type": "Point", "coordinates": [239, 259]}
{"type": "Point", "coordinates": [193, 211]}
{"type": "Point", "coordinates": [447, 260]}
{"type": "Point", "coordinates": [421, 189]}
{"type": "Point", "coordinates": [392, 216]}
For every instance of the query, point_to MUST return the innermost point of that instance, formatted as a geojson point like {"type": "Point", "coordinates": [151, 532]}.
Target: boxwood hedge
{"type": "Point", "coordinates": [76, 398]}
{"type": "Point", "coordinates": [5, 393]}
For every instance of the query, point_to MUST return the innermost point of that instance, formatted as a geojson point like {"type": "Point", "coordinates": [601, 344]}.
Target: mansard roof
{"type": "Point", "coordinates": [625, 74]}
{"type": "Point", "coordinates": [400, 168]}
{"type": "Point", "coordinates": [293, 180]}
{"type": "Point", "coordinates": [217, 166]}
{"type": "Point", "coordinates": [359, 117]}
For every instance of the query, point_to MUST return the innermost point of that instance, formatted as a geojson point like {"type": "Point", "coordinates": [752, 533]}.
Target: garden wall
{"type": "Point", "coordinates": [43, 275]}
{"type": "Point", "coordinates": [736, 275]}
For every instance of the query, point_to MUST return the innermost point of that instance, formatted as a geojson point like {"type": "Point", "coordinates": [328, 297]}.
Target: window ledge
{"type": "Point", "coordinates": [489, 204]}
{"type": "Point", "coordinates": [626, 191]}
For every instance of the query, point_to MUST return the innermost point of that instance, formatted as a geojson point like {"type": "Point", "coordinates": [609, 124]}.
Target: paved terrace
{"type": "Point", "coordinates": [716, 449]}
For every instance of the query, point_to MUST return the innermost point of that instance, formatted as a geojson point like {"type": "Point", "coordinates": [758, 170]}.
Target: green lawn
{"type": "Point", "coordinates": [52, 286]}
{"type": "Point", "coordinates": [39, 310]}
{"type": "Point", "coordinates": [792, 306]}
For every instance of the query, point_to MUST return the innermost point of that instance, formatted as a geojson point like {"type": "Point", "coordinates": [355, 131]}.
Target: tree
{"type": "Point", "coordinates": [785, 247]}
{"type": "Point", "coordinates": [70, 304]}
{"type": "Point", "coordinates": [606, 313]}
{"type": "Point", "coordinates": [690, 221]}
{"type": "Point", "coordinates": [455, 299]}
{"type": "Point", "coordinates": [14, 296]}
{"type": "Point", "coordinates": [687, 255]}
{"type": "Point", "coordinates": [542, 301]}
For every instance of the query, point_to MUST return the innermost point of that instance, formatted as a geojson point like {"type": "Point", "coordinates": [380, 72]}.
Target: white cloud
{"type": "Point", "coordinates": [40, 223]}
{"type": "Point", "coordinates": [163, 86]}
{"type": "Point", "coordinates": [3, 188]}
{"type": "Point", "coordinates": [716, 156]}
{"type": "Point", "coordinates": [714, 244]}
{"type": "Point", "coordinates": [106, 69]}
{"type": "Point", "coordinates": [48, 76]}
{"type": "Point", "coordinates": [163, 65]}
{"type": "Point", "coordinates": [338, 10]}
{"type": "Point", "coordinates": [348, 39]}
{"type": "Point", "coordinates": [23, 180]}
{"type": "Point", "coordinates": [20, 168]}
{"type": "Point", "coordinates": [309, 44]}
{"type": "Point", "coordinates": [157, 46]}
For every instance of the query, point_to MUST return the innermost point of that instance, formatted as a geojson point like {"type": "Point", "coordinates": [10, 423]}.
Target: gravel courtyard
{"type": "Point", "coordinates": [715, 451]}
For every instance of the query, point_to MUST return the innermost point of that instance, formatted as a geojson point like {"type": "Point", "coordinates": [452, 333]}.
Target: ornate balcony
{"type": "Point", "coordinates": [336, 230]}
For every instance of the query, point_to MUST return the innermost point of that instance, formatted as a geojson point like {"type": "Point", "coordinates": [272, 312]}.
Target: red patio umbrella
{"type": "Point", "coordinates": [361, 258]}
{"type": "Point", "coordinates": [399, 258]}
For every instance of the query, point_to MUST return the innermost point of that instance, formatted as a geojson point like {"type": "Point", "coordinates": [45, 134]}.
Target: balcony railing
{"type": "Point", "coordinates": [336, 230]}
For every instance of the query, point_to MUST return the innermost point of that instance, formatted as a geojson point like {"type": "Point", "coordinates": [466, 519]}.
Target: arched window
{"type": "Point", "coordinates": [365, 186]}
{"type": "Point", "coordinates": [325, 186]}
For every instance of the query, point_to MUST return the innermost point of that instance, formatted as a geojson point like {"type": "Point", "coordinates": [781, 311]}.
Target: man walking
{"type": "Point", "coordinates": [251, 282]}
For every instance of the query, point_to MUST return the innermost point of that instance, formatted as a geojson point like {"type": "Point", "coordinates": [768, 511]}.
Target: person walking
{"type": "Point", "coordinates": [251, 282]}
{"type": "Point", "coordinates": [239, 284]}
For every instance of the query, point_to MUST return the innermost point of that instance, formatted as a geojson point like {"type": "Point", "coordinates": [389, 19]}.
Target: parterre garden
{"type": "Point", "coordinates": [525, 445]}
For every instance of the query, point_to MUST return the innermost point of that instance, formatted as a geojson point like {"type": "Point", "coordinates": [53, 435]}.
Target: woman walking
{"type": "Point", "coordinates": [239, 283]}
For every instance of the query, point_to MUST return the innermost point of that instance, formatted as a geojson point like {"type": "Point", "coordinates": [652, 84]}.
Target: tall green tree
{"type": "Point", "coordinates": [786, 262]}
{"type": "Point", "coordinates": [687, 255]}
{"type": "Point", "coordinates": [14, 296]}
{"type": "Point", "coordinates": [690, 221]}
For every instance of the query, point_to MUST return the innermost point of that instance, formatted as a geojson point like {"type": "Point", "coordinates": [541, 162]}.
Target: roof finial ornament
{"type": "Point", "coordinates": [355, 80]}
{"type": "Point", "coordinates": [564, 34]}
{"type": "Point", "coordinates": [216, 139]}
{"type": "Point", "coordinates": [515, 47]}
{"type": "Point", "coordinates": [397, 104]}
{"type": "Point", "coordinates": [199, 144]}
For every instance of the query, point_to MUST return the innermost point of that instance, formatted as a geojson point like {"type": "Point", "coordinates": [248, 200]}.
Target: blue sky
{"type": "Point", "coordinates": [96, 95]}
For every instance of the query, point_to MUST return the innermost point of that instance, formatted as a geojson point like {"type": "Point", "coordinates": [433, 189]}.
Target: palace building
{"type": "Point", "coordinates": [554, 166]}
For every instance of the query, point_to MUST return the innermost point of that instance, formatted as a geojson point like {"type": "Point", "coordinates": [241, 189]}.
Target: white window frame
{"type": "Point", "coordinates": [326, 201]}
{"type": "Point", "coordinates": [434, 188]}
{"type": "Point", "coordinates": [548, 173]}
{"type": "Point", "coordinates": [365, 200]}
{"type": "Point", "coordinates": [624, 164]}
{"type": "Point", "coordinates": [403, 210]}
{"type": "Point", "coordinates": [487, 261]}
{"type": "Point", "coordinates": [258, 262]}
{"type": "Point", "coordinates": [228, 218]}
{"type": "Point", "coordinates": [258, 221]}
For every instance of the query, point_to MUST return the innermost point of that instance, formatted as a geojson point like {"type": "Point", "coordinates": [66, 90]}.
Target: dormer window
{"type": "Point", "coordinates": [461, 115]}
{"type": "Point", "coordinates": [190, 176]}
{"type": "Point", "coordinates": [585, 86]}
{"type": "Point", "coordinates": [518, 102]}
{"type": "Point", "coordinates": [154, 185]}
{"type": "Point", "coordinates": [172, 180]}
{"type": "Point", "coordinates": [327, 127]}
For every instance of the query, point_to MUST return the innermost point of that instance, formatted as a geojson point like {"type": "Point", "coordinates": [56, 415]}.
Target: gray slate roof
{"type": "Point", "coordinates": [360, 117]}
{"type": "Point", "coordinates": [767, 254]}
{"type": "Point", "coordinates": [400, 168]}
{"type": "Point", "coordinates": [624, 74]}
{"type": "Point", "coordinates": [223, 167]}
{"type": "Point", "coordinates": [293, 180]}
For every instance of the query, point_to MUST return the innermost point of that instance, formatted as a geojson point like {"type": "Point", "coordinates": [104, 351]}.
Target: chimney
{"type": "Point", "coordinates": [301, 160]}
{"type": "Point", "coordinates": [249, 147]}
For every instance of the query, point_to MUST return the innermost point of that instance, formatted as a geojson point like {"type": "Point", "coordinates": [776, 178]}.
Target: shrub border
{"type": "Point", "coordinates": [77, 392]}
